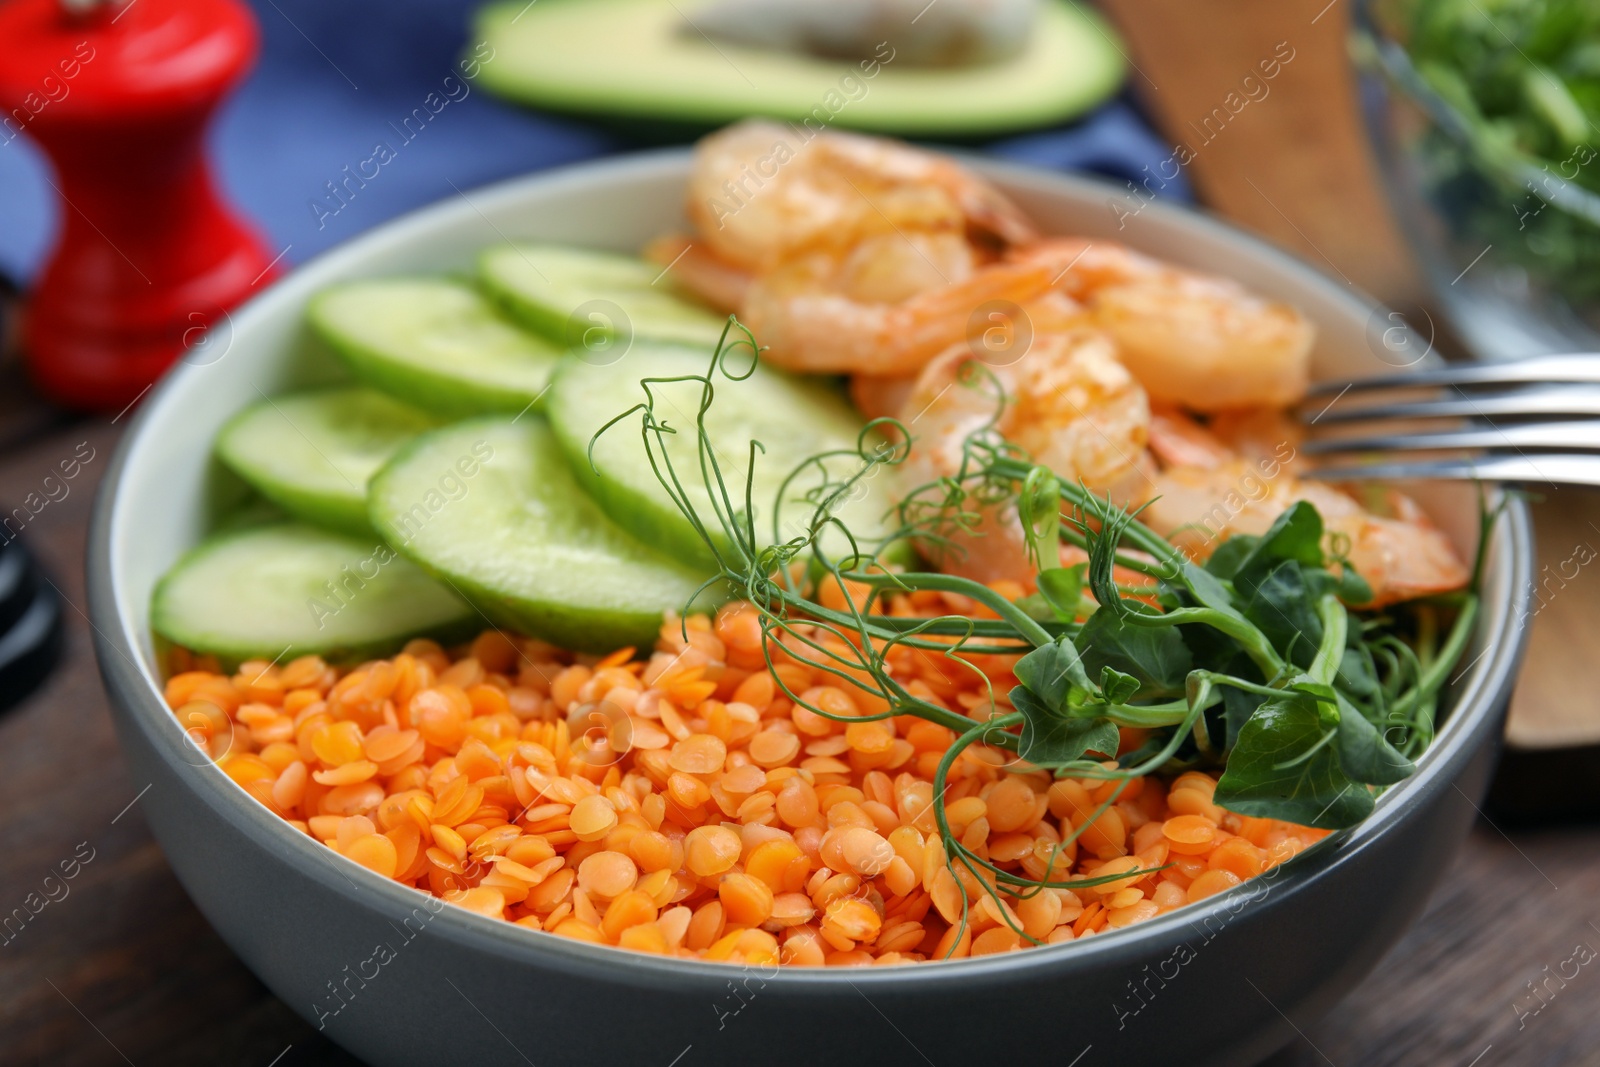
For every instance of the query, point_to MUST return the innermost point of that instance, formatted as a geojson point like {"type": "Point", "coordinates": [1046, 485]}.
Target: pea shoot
{"type": "Point", "coordinates": [1254, 661]}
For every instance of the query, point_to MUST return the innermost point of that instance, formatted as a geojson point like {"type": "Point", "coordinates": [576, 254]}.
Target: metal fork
{"type": "Point", "coordinates": [1534, 421]}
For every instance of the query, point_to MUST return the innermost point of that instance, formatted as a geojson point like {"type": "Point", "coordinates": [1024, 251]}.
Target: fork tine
{"type": "Point", "coordinates": [1551, 469]}
{"type": "Point", "coordinates": [1572, 400]}
{"type": "Point", "coordinates": [1566, 436]}
{"type": "Point", "coordinates": [1576, 368]}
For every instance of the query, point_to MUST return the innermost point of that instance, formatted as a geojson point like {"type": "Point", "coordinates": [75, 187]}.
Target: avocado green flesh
{"type": "Point", "coordinates": [634, 58]}
{"type": "Point", "coordinates": [490, 506]}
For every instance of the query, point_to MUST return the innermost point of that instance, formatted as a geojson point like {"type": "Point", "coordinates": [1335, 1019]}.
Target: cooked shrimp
{"type": "Point", "coordinates": [1179, 441]}
{"type": "Point", "coordinates": [808, 324]}
{"type": "Point", "coordinates": [1401, 556]}
{"type": "Point", "coordinates": [881, 398]}
{"type": "Point", "coordinates": [1262, 434]}
{"type": "Point", "coordinates": [1068, 403]}
{"type": "Point", "coordinates": [1265, 435]}
{"type": "Point", "coordinates": [1201, 341]}
{"type": "Point", "coordinates": [831, 333]}
{"type": "Point", "coordinates": [878, 269]}
{"type": "Point", "coordinates": [846, 254]}
{"type": "Point", "coordinates": [1199, 507]}
{"type": "Point", "coordinates": [762, 194]}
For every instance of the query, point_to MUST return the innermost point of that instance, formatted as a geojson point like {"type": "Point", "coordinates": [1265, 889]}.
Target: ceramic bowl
{"type": "Point", "coordinates": [399, 978]}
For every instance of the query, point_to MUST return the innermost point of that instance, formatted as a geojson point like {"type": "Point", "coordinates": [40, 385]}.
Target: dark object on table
{"type": "Point", "coordinates": [1540, 786]}
{"type": "Point", "coordinates": [8, 317]}
{"type": "Point", "coordinates": [30, 623]}
{"type": "Point", "coordinates": [148, 256]}
{"type": "Point", "coordinates": [1552, 744]}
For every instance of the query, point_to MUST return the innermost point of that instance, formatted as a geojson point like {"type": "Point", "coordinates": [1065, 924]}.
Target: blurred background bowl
{"type": "Point", "coordinates": [1510, 243]}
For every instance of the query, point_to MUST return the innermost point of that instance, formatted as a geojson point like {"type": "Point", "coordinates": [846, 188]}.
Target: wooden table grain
{"type": "Point", "coordinates": [123, 969]}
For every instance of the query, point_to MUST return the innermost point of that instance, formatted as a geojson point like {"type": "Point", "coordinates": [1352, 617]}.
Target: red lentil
{"type": "Point", "coordinates": [736, 826]}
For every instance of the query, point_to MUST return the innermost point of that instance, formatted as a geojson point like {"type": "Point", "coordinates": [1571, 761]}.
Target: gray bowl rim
{"type": "Point", "coordinates": [137, 692]}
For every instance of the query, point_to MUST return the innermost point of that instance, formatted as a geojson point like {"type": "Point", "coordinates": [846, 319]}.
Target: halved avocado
{"type": "Point", "coordinates": [636, 59]}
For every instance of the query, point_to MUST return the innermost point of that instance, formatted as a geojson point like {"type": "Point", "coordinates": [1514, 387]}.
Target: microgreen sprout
{"type": "Point", "coordinates": [1253, 662]}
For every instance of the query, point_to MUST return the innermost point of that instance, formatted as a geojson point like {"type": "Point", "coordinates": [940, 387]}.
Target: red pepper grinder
{"type": "Point", "coordinates": [118, 95]}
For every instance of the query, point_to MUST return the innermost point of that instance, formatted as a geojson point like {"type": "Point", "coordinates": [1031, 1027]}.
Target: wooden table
{"type": "Point", "coordinates": [125, 970]}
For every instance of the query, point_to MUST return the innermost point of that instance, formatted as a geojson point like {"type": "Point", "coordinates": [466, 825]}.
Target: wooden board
{"type": "Point", "coordinates": [1283, 155]}
{"type": "Point", "coordinates": [1558, 698]}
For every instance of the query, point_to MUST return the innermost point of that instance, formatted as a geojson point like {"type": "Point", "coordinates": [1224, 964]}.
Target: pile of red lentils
{"type": "Point", "coordinates": [682, 805]}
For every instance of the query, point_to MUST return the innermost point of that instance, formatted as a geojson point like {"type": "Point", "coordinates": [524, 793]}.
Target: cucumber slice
{"type": "Point", "coordinates": [491, 505]}
{"type": "Point", "coordinates": [598, 301]}
{"type": "Point", "coordinates": [312, 453]}
{"type": "Point", "coordinates": [433, 342]}
{"type": "Point", "coordinates": [286, 590]}
{"type": "Point", "coordinates": [794, 420]}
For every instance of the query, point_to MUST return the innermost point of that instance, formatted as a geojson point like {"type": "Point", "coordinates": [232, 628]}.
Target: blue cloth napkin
{"type": "Point", "coordinates": [336, 79]}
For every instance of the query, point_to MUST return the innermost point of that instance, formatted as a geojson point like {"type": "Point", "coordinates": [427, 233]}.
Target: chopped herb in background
{"type": "Point", "coordinates": [1523, 80]}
